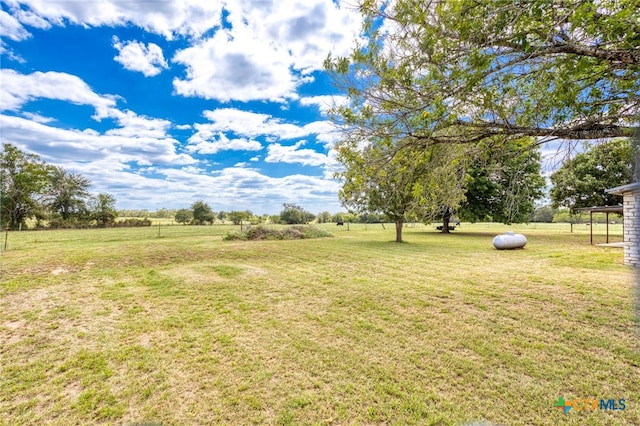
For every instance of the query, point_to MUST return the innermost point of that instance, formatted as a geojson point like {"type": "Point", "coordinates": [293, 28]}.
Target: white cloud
{"type": "Point", "coordinates": [251, 124]}
{"type": "Point", "coordinates": [329, 138]}
{"type": "Point", "coordinates": [324, 102]}
{"type": "Point", "coordinates": [38, 118]}
{"type": "Point", "coordinates": [266, 52]}
{"type": "Point", "coordinates": [555, 153]}
{"type": "Point", "coordinates": [235, 65]}
{"type": "Point", "coordinates": [277, 153]}
{"type": "Point", "coordinates": [192, 169]}
{"type": "Point", "coordinates": [307, 29]}
{"type": "Point", "coordinates": [247, 123]}
{"type": "Point", "coordinates": [134, 126]}
{"type": "Point", "coordinates": [9, 54]}
{"type": "Point", "coordinates": [168, 18]}
{"type": "Point", "coordinates": [11, 28]}
{"type": "Point", "coordinates": [270, 49]}
{"type": "Point", "coordinates": [26, 17]}
{"type": "Point", "coordinates": [135, 56]}
{"type": "Point", "coordinates": [205, 142]}
{"type": "Point", "coordinates": [55, 145]}
{"type": "Point", "coordinates": [18, 89]}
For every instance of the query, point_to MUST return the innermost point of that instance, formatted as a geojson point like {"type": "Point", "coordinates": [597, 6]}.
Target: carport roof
{"type": "Point", "coordinates": [619, 190]}
{"type": "Point", "coordinates": [602, 209]}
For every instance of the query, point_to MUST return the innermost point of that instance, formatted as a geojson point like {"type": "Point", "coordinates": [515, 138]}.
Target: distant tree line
{"type": "Point", "coordinates": [200, 213]}
{"type": "Point", "coordinates": [162, 213]}
{"type": "Point", "coordinates": [51, 196]}
{"type": "Point", "coordinates": [549, 214]}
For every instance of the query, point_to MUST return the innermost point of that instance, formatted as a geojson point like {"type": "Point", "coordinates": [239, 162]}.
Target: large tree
{"type": "Point", "coordinates": [582, 181]}
{"type": "Point", "coordinates": [24, 181]}
{"type": "Point", "coordinates": [461, 71]}
{"type": "Point", "coordinates": [68, 194]}
{"type": "Point", "coordinates": [380, 179]}
{"type": "Point", "coordinates": [504, 183]}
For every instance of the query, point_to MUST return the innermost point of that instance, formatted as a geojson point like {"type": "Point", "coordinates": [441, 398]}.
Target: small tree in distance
{"type": "Point", "coordinates": [324, 217]}
{"type": "Point", "coordinates": [103, 209]}
{"type": "Point", "coordinates": [184, 216]}
{"type": "Point", "coordinates": [68, 194]}
{"type": "Point", "coordinates": [294, 214]}
{"type": "Point", "coordinates": [202, 213]}
{"type": "Point", "coordinates": [544, 214]}
{"type": "Point", "coordinates": [237, 217]}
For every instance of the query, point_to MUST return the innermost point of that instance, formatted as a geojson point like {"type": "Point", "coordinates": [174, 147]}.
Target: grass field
{"type": "Point", "coordinates": [122, 326]}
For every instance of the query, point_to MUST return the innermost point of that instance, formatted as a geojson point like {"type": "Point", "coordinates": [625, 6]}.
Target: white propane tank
{"type": "Point", "coordinates": [509, 240]}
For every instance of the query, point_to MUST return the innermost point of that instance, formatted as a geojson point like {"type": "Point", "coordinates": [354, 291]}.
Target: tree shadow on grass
{"type": "Point", "coordinates": [464, 234]}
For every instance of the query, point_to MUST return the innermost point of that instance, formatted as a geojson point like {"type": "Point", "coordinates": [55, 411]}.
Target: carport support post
{"type": "Point", "coordinates": [607, 227]}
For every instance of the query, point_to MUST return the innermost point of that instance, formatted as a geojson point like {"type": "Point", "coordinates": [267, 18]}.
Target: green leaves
{"type": "Point", "coordinates": [24, 181]}
{"type": "Point", "coordinates": [582, 181]}
{"type": "Point", "coordinates": [477, 69]}
{"type": "Point", "coordinates": [396, 179]}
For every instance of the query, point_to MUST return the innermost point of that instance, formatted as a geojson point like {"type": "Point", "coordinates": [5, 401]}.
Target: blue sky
{"type": "Point", "coordinates": [162, 103]}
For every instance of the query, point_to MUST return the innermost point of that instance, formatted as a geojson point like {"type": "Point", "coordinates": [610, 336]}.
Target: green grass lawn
{"type": "Point", "coordinates": [122, 326]}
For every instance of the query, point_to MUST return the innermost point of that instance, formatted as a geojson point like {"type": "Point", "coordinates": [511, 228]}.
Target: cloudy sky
{"type": "Point", "coordinates": [165, 102]}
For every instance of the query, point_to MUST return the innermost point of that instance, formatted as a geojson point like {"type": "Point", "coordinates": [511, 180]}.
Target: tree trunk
{"type": "Point", "coordinates": [399, 224]}
{"type": "Point", "coordinates": [445, 222]}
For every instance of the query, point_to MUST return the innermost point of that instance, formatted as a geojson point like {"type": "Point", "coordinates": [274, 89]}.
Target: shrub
{"type": "Point", "coordinates": [235, 235]}
{"type": "Point", "coordinates": [264, 233]}
{"type": "Point", "coordinates": [311, 232]}
{"type": "Point", "coordinates": [132, 223]}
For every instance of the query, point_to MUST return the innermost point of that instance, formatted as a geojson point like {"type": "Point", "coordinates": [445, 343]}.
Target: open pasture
{"type": "Point", "coordinates": [122, 326]}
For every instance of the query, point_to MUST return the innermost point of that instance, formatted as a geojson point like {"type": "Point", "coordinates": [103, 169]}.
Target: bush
{"type": "Point", "coordinates": [235, 235]}
{"type": "Point", "coordinates": [132, 223]}
{"type": "Point", "coordinates": [311, 232]}
{"type": "Point", "coordinates": [264, 233]}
